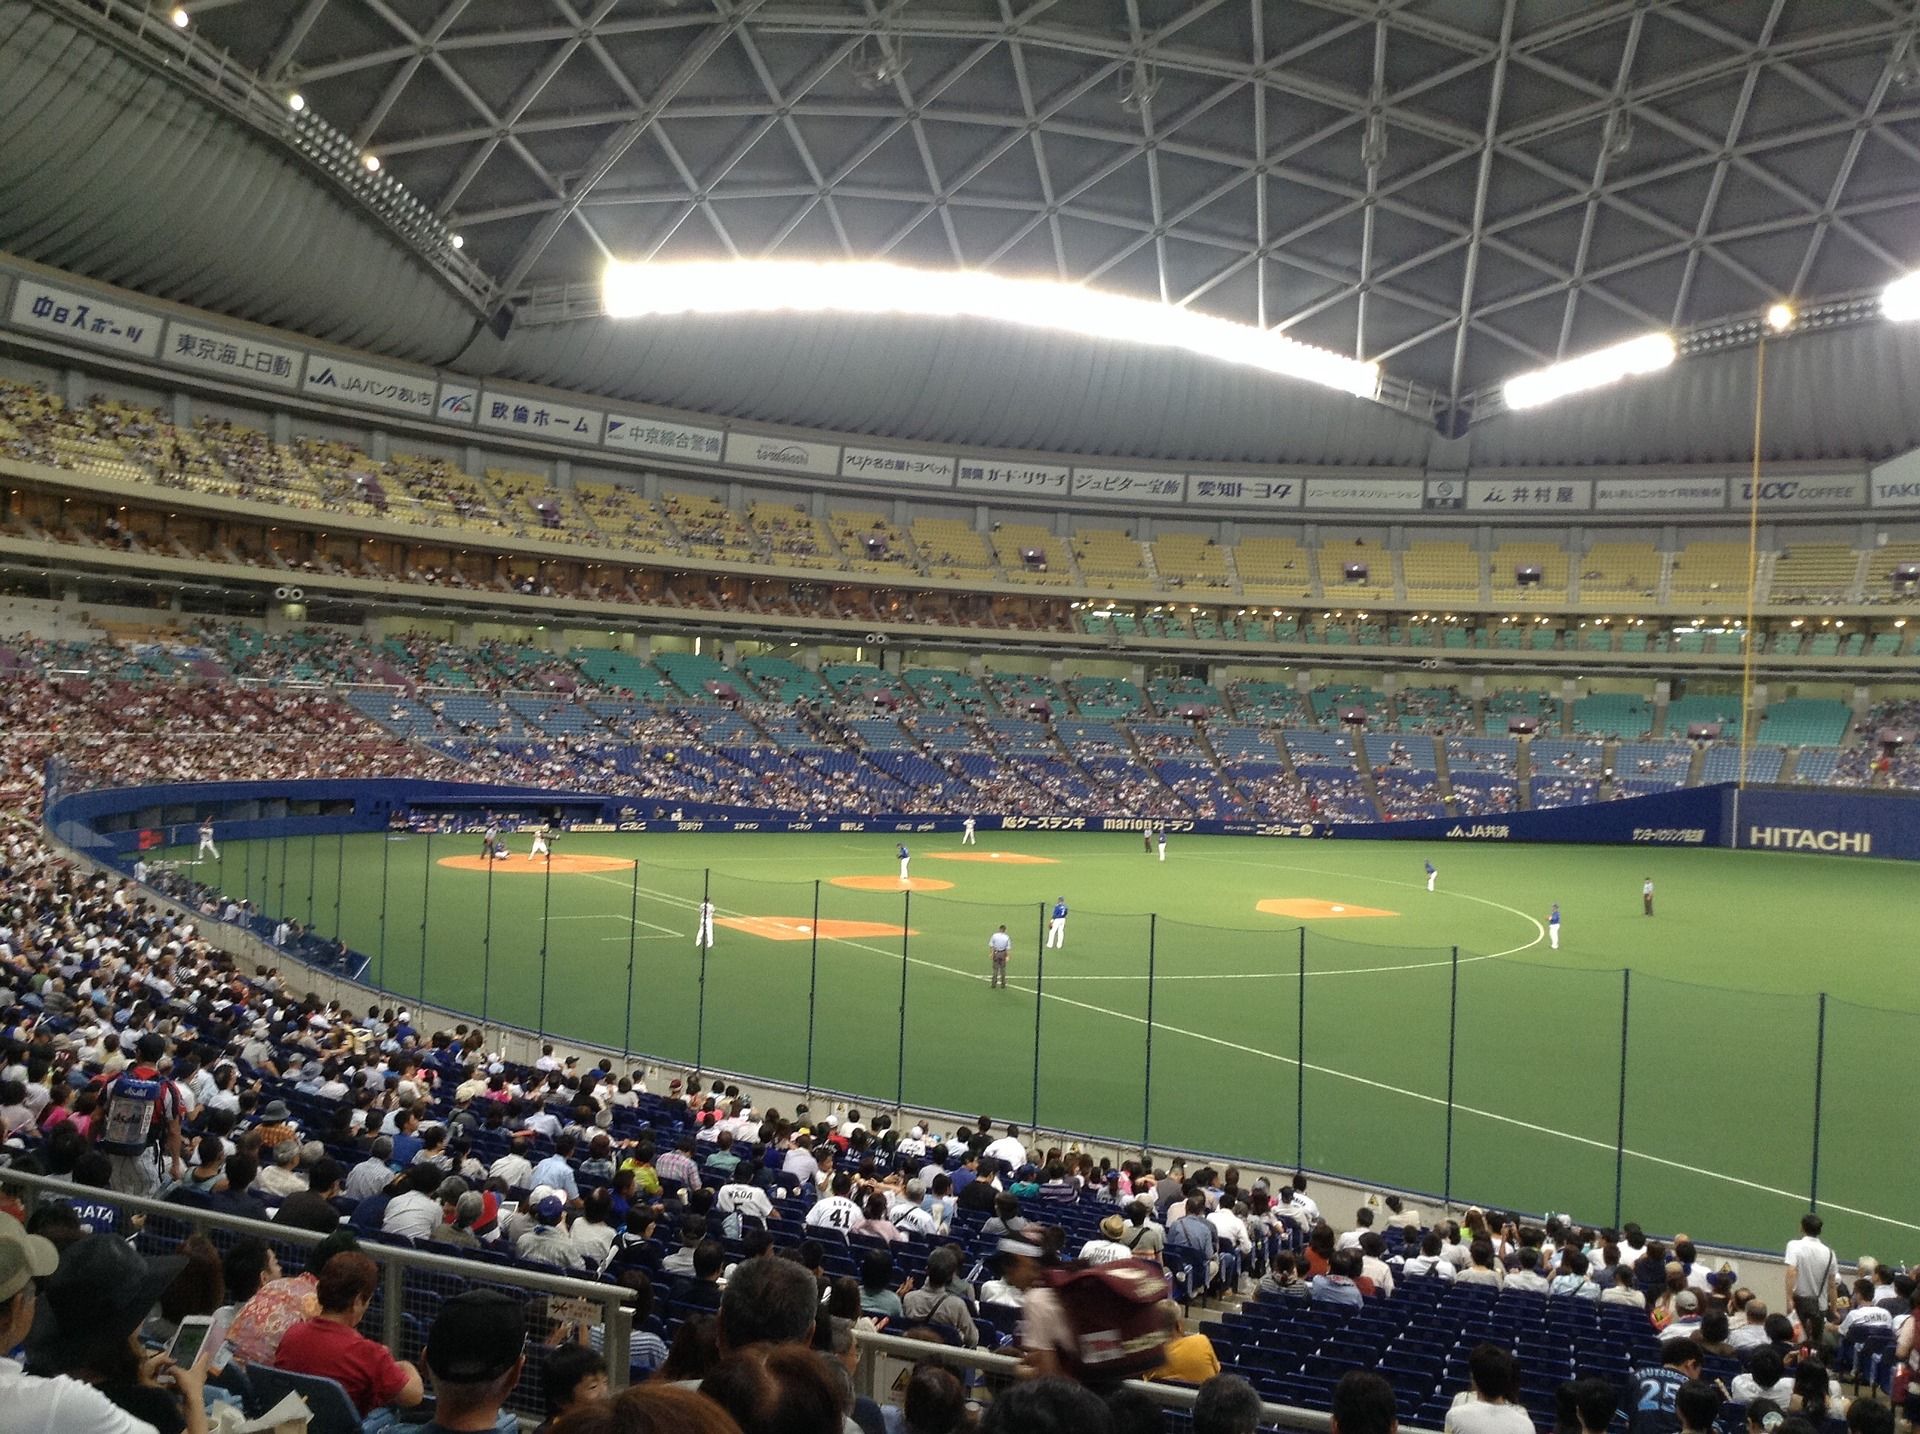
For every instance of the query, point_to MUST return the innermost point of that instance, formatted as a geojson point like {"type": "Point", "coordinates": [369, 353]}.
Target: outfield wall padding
{"type": "Point", "coordinates": [116, 820]}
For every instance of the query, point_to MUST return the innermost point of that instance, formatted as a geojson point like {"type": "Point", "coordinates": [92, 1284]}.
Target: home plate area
{"type": "Point", "coordinates": [805, 928]}
{"type": "Point", "coordinates": [1302, 908]}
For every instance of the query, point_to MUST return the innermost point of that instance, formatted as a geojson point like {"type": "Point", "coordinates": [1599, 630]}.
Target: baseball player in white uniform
{"type": "Point", "coordinates": [703, 937]}
{"type": "Point", "coordinates": [1160, 841]}
{"type": "Point", "coordinates": [540, 848]}
{"type": "Point", "coordinates": [1553, 927]}
{"type": "Point", "coordinates": [966, 833]}
{"type": "Point", "coordinates": [905, 857]}
{"type": "Point", "coordinates": [207, 848]}
{"type": "Point", "coordinates": [1057, 926]}
{"type": "Point", "coordinates": [1433, 875]}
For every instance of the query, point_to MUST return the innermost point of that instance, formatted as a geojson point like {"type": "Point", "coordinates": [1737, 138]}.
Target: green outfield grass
{"type": "Point", "coordinates": [1720, 1037]}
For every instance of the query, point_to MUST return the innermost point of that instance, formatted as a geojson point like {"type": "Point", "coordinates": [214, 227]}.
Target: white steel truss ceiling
{"type": "Point", "coordinates": [1460, 189]}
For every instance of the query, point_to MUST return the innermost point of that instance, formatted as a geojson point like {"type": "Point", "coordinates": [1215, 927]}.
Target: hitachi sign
{"type": "Point", "coordinates": [1810, 839]}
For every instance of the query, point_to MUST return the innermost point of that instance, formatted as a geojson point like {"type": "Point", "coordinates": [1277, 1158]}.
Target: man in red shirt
{"type": "Point", "coordinates": [331, 1345]}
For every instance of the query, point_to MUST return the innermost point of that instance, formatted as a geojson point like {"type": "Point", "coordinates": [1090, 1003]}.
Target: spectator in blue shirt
{"type": "Point", "coordinates": [555, 1170]}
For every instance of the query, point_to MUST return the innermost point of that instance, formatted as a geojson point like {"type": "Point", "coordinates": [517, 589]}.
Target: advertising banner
{"type": "Point", "coordinates": [1244, 492]}
{"type": "Point", "coordinates": [208, 350]}
{"type": "Point", "coordinates": [459, 401]}
{"type": "Point", "coordinates": [1831, 490]}
{"type": "Point", "coordinates": [787, 455]}
{"type": "Point", "coordinates": [81, 318]}
{"type": "Point", "coordinates": [658, 438]}
{"type": "Point", "coordinates": [1403, 495]}
{"type": "Point", "coordinates": [1659, 495]}
{"type": "Point", "coordinates": [539, 417]}
{"type": "Point", "coordinates": [392, 389]}
{"type": "Point", "coordinates": [890, 465]}
{"type": "Point", "coordinates": [1128, 485]}
{"type": "Point", "coordinates": [1495, 495]}
{"type": "Point", "coordinates": [1896, 483]}
{"type": "Point", "coordinates": [987, 476]}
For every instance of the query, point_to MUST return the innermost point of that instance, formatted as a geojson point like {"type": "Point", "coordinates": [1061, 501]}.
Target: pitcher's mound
{"type": "Point", "coordinates": [1303, 909]}
{"type": "Point", "coordinates": [560, 864]}
{"type": "Point", "coordinates": [804, 928]}
{"type": "Point", "coordinates": [1005, 858]}
{"type": "Point", "coordinates": [892, 883]}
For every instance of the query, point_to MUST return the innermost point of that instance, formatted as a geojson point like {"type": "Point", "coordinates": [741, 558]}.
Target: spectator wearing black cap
{"type": "Point", "coordinates": [36, 1404]}
{"type": "Point", "coordinates": [476, 1352]}
{"type": "Point", "coordinates": [95, 1303]}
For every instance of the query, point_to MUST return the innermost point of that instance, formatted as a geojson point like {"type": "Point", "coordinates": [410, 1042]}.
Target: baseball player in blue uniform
{"type": "Point", "coordinates": [1553, 927]}
{"type": "Point", "coordinates": [1057, 925]}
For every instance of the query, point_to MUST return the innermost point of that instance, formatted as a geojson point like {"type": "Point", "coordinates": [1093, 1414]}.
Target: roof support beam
{"type": "Point", "coordinates": [1496, 93]}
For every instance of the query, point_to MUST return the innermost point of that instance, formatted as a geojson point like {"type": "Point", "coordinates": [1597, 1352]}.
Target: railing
{"type": "Point", "coordinates": [411, 1279]}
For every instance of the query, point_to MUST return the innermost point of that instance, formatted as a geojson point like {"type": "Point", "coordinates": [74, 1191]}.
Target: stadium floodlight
{"type": "Point", "coordinates": [1780, 317]}
{"type": "Point", "coordinates": [372, 162]}
{"type": "Point", "coordinates": [1646, 354]}
{"type": "Point", "coordinates": [630, 290]}
{"type": "Point", "coordinates": [1900, 300]}
{"type": "Point", "coordinates": [296, 102]}
{"type": "Point", "coordinates": [180, 18]}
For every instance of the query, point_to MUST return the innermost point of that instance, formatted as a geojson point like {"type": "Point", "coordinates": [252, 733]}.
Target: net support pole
{"type": "Point", "coordinates": [1300, 1065]}
{"type": "Point", "coordinates": [1453, 1034]}
{"type": "Point", "coordinates": [546, 927]}
{"type": "Point", "coordinates": [633, 926]}
{"type": "Point", "coordinates": [339, 877]}
{"type": "Point", "coordinates": [247, 875]}
{"type": "Point", "coordinates": [1146, 1094]}
{"type": "Point", "coordinates": [313, 866]}
{"type": "Point", "coordinates": [1039, 984]}
{"type": "Point", "coordinates": [813, 980]}
{"type": "Point", "coordinates": [386, 852]}
{"type": "Point", "coordinates": [426, 890]}
{"type": "Point", "coordinates": [486, 947]}
{"type": "Point", "coordinates": [700, 1010]}
{"type": "Point", "coordinates": [1753, 574]}
{"type": "Point", "coordinates": [900, 1069]}
{"type": "Point", "coordinates": [1819, 1082]}
{"type": "Point", "coordinates": [280, 905]}
{"type": "Point", "coordinates": [1620, 1121]}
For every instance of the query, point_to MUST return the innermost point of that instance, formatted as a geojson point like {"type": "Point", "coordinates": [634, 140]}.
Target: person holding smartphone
{"type": "Point", "coordinates": [96, 1301]}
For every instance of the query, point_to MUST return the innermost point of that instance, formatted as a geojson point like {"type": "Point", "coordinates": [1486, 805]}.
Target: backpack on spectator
{"type": "Point", "coordinates": [132, 1102]}
{"type": "Point", "coordinates": [1113, 1314]}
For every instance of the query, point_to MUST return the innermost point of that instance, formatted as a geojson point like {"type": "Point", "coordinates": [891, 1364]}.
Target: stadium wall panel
{"type": "Point", "coordinates": [118, 820]}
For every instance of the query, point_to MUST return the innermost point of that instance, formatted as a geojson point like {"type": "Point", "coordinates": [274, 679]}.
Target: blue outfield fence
{"type": "Point", "coordinates": [113, 820]}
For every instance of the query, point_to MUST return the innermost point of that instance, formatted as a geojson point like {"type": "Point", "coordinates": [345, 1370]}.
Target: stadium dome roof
{"type": "Point", "coordinates": [1459, 189]}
